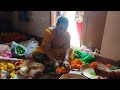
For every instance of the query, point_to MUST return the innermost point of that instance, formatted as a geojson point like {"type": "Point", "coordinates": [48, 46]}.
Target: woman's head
{"type": "Point", "coordinates": [62, 25]}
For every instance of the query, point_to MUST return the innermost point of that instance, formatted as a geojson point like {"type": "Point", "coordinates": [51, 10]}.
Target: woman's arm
{"type": "Point", "coordinates": [46, 45]}
{"type": "Point", "coordinates": [66, 62]}
{"type": "Point", "coordinates": [51, 57]}
{"type": "Point", "coordinates": [67, 47]}
{"type": "Point", "coordinates": [67, 52]}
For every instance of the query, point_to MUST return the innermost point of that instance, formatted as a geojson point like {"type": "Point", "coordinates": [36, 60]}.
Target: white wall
{"type": "Point", "coordinates": [110, 47]}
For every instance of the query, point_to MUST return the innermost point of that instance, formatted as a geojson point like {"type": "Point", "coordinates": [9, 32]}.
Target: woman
{"type": "Point", "coordinates": [55, 46]}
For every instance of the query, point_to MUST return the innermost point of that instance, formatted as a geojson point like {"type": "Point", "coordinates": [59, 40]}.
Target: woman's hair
{"type": "Point", "coordinates": [63, 20]}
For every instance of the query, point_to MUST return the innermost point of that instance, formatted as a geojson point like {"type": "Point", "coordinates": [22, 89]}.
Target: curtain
{"type": "Point", "coordinates": [79, 22]}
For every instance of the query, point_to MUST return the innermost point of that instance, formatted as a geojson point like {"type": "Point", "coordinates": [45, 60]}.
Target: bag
{"type": "Point", "coordinates": [30, 46]}
{"type": "Point", "coordinates": [18, 50]}
{"type": "Point", "coordinates": [86, 49]}
{"type": "Point", "coordinates": [5, 51]}
{"type": "Point", "coordinates": [86, 58]}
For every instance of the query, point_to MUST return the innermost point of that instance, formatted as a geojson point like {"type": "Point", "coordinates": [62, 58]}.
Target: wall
{"type": "Point", "coordinates": [111, 40]}
{"type": "Point", "coordinates": [39, 21]}
{"type": "Point", "coordinates": [5, 14]}
{"type": "Point", "coordinates": [93, 28]}
{"type": "Point", "coordinates": [5, 21]}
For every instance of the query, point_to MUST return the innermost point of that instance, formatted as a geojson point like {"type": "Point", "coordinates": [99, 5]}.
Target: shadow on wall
{"type": "Point", "coordinates": [24, 16]}
{"type": "Point", "coordinates": [33, 22]}
{"type": "Point", "coordinates": [6, 24]}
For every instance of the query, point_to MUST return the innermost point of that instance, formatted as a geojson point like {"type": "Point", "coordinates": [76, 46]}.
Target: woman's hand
{"type": "Point", "coordinates": [56, 64]}
{"type": "Point", "coordinates": [66, 64]}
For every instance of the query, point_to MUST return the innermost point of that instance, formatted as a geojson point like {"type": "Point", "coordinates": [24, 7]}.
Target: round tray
{"type": "Point", "coordinates": [72, 76]}
{"type": "Point", "coordinates": [102, 68]}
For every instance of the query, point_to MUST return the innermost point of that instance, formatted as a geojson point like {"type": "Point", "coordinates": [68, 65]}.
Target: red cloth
{"type": "Point", "coordinates": [79, 27]}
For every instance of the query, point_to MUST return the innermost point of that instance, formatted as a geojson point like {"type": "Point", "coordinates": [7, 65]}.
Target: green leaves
{"type": "Point", "coordinates": [50, 68]}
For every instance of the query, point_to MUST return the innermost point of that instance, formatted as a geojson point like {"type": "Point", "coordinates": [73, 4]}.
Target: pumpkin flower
{"type": "Point", "coordinates": [109, 65]}
{"type": "Point", "coordinates": [93, 65]}
{"type": "Point", "coordinates": [58, 71]}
